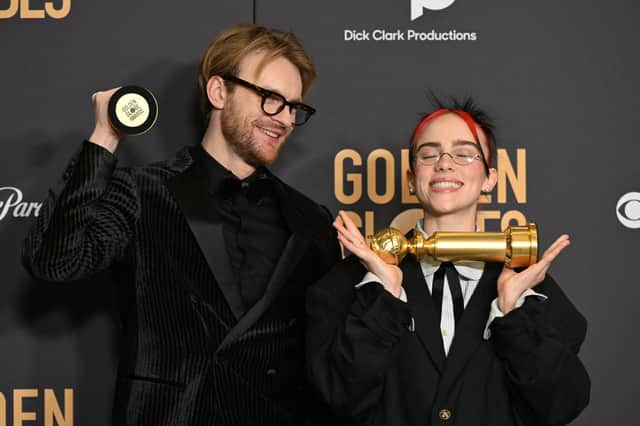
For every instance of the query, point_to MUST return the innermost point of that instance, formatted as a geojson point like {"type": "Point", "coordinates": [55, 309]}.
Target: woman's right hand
{"type": "Point", "coordinates": [352, 240]}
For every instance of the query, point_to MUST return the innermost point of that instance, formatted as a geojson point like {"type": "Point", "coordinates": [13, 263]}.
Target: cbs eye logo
{"type": "Point", "coordinates": [628, 210]}
{"type": "Point", "coordinates": [418, 6]}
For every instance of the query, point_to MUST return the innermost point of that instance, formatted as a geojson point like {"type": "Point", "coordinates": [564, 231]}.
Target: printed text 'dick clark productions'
{"type": "Point", "coordinates": [408, 35]}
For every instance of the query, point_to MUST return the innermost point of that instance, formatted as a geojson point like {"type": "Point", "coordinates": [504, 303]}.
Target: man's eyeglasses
{"type": "Point", "coordinates": [273, 103]}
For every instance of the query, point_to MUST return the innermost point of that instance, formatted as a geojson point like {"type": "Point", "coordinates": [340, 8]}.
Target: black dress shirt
{"type": "Point", "coordinates": [254, 230]}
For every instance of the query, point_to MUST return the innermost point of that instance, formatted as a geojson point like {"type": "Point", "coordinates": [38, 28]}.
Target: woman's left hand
{"type": "Point", "coordinates": [512, 284]}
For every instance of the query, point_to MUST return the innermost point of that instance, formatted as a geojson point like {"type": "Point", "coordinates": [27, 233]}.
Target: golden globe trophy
{"type": "Point", "coordinates": [133, 110]}
{"type": "Point", "coordinates": [517, 246]}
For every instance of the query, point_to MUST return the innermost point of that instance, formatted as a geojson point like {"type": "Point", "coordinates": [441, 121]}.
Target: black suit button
{"type": "Point", "coordinates": [272, 372]}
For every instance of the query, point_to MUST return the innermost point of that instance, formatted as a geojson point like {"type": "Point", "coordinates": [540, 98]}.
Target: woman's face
{"type": "Point", "coordinates": [446, 187]}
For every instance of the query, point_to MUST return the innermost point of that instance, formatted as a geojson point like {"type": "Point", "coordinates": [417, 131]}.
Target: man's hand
{"type": "Point", "coordinates": [512, 284]}
{"type": "Point", "coordinates": [103, 133]}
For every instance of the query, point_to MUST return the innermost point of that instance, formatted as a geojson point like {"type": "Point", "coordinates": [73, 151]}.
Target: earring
{"type": "Point", "coordinates": [411, 190]}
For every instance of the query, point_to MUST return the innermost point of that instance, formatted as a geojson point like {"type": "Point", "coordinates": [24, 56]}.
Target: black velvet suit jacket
{"type": "Point", "coordinates": [380, 361]}
{"type": "Point", "coordinates": [188, 356]}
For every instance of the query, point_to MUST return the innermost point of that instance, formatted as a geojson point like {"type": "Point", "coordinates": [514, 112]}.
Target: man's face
{"type": "Point", "coordinates": [447, 187]}
{"type": "Point", "coordinates": [253, 135]}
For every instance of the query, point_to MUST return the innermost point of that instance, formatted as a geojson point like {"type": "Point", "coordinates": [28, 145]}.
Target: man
{"type": "Point", "coordinates": [436, 343]}
{"type": "Point", "coordinates": [212, 253]}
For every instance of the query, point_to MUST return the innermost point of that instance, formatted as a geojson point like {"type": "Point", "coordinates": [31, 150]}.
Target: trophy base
{"type": "Point", "coordinates": [133, 110]}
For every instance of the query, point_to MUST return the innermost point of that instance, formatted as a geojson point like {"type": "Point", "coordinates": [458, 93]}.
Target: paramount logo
{"type": "Point", "coordinates": [418, 6]}
{"type": "Point", "coordinates": [12, 204]}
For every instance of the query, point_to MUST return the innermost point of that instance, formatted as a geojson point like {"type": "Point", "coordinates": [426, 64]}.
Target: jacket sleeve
{"type": "Point", "coordinates": [351, 338]}
{"type": "Point", "coordinates": [87, 220]}
{"type": "Point", "coordinates": [539, 345]}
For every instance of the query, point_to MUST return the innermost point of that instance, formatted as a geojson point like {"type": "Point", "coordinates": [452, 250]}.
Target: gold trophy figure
{"type": "Point", "coordinates": [517, 246]}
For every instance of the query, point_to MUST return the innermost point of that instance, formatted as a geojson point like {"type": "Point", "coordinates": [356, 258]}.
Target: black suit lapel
{"type": "Point", "coordinates": [427, 322]}
{"type": "Point", "coordinates": [199, 208]}
{"type": "Point", "coordinates": [469, 331]}
{"type": "Point", "coordinates": [293, 252]}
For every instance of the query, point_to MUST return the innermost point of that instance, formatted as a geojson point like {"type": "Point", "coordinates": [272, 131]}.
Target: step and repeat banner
{"type": "Point", "coordinates": [560, 79]}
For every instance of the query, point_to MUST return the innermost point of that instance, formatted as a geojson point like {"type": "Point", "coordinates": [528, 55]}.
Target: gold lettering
{"type": "Point", "coordinates": [10, 12]}
{"type": "Point", "coordinates": [355, 217]}
{"type": "Point", "coordinates": [354, 178]}
{"type": "Point", "coordinates": [511, 175]}
{"type": "Point", "coordinates": [510, 216]}
{"type": "Point", "coordinates": [372, 181]}
{"type": "Point", "coordinates": [3, 410]}
{"type": "Point", "coordinates": [483, 215]}
{"type": "Point", "coordinates": [407, 198]}
{"type": "Point", "coordinates": [406, 220]}
{"type": "Point", "coordinates": [369, 223]}
{"type": "Point", "coordinates": [20, 416]}
{"type": "Point", "coordinates": [52, 408]}
{"type": "Point", "coordinates": [517, 180]}
{"type": "Point", "coordinates": [27, 13]}
{"type": "Point", "coordinates": [58, 13]}
{"type": "Point", "coordinates": [485, 199]}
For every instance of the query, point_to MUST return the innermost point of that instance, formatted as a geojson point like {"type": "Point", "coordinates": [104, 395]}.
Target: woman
{"type": "Point", "coordinates": [425, 343]}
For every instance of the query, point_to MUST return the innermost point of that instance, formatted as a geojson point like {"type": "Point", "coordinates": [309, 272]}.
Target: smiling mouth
{"type": "Point", "coordinates": [446, 185]}
{"type": "Point", "coordinates": [269, 133]}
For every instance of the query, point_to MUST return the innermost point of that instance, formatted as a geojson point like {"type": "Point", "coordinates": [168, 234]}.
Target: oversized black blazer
{"type": "Point", "coordinates": [379, 361]}
{"type": "Point", "coordinates": [189, 355]}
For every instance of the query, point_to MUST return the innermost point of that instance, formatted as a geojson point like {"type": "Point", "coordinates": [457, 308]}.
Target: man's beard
{"type": "Point", "coordinates": [239, 135]}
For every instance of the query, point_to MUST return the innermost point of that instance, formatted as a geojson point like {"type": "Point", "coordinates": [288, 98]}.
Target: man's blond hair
{"type": "Point", "coordinates": [224, 54]}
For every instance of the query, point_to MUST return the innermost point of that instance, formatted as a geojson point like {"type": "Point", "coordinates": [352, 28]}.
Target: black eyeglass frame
{"type": "Point", "coordinates": [266, 93]}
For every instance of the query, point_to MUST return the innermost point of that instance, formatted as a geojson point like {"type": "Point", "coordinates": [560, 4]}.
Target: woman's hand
{"type": "Point", "coordinates": [352, 240]}
{"type": "Point", "coordinates": [512, 284]}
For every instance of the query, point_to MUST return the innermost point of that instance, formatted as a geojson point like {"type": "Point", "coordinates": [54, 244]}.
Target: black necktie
{"type": "Point", "coordinates": [454, 286]}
